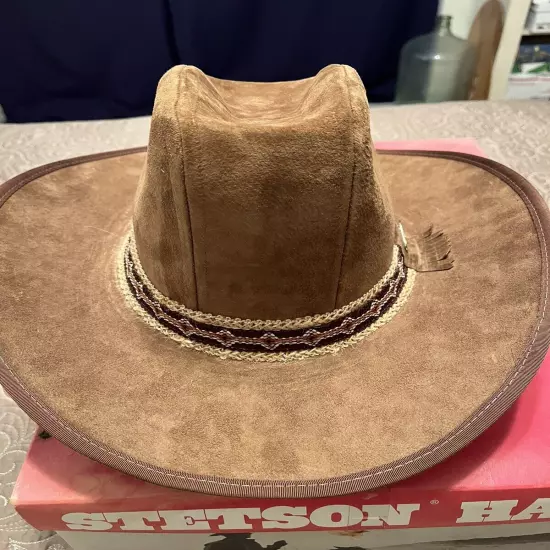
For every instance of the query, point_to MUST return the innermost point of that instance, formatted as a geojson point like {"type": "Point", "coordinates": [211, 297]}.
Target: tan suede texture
{"type": "Point", "coordinates": [260, 201]}
{"type": "Point", "coordinates": [69, 336]}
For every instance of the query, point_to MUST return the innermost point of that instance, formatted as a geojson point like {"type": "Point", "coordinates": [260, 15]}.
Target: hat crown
{"type": "Point", "coordinates": [262, 200]}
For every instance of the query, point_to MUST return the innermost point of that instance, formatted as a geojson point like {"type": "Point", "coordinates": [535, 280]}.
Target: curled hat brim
{"type": "Point", "coordinates": [84, 366]}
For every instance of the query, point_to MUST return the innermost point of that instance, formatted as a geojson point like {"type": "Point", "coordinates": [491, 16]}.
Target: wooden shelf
{"type": "Point", "coordinates": [530, 33]}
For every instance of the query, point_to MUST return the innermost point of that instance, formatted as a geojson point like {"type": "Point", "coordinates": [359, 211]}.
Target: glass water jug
{"type": "Point", "coordinates": [437, 66]}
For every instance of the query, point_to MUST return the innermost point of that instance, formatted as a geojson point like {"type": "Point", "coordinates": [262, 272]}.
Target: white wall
{"type": "Point", "coordinates": [463, 13]}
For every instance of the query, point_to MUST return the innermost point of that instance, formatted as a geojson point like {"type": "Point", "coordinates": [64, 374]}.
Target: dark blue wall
{"type": "Point", "coordinates": [72, 59]}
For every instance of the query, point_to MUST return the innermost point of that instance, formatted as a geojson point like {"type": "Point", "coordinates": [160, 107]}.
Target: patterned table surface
{"type": "Point", "coordinates": [515, 133]}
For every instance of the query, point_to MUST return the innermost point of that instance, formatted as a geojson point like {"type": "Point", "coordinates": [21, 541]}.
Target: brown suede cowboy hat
{"type": "Point", "coordinates": [255, 307]}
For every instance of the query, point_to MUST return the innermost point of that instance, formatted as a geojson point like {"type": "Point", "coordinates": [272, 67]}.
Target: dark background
{"type": "Point", "coordinates": [78, 60]}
